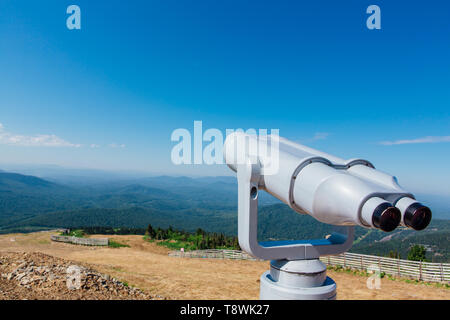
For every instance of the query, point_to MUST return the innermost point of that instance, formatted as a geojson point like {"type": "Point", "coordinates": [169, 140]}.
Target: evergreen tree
{"type": "Point", "coordinates": [150, 232]}
{"type": "Point", "coordinates": [417, 253]}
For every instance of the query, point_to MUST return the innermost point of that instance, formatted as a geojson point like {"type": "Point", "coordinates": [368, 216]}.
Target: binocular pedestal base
{"type": "Point", "coordinates": [297, 280]}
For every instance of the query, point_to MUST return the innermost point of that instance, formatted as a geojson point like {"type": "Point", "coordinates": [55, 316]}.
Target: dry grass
{"type": "Point", "coordinates": [147, 266]}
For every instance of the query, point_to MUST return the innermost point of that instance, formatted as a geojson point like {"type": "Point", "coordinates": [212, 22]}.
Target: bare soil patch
{"type": "Point", "coordinates": [39, 276]}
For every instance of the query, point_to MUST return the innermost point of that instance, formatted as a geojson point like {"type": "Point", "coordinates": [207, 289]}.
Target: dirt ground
{"type": "Point", "coordinates": [38, 276]}
{"type": "Point", "coordinates": [148, 267]}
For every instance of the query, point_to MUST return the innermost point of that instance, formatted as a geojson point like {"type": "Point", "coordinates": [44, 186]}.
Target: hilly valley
{"type": "Point", "coordinates": [29, 203]}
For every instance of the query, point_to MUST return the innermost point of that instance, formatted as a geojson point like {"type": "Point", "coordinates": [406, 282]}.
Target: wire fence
{"type": "Point", "coordinates": [425, 271]}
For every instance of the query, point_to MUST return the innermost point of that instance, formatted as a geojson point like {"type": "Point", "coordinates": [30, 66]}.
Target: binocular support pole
{"type": "Point", "coordinates": [296, 273]}
{"type": "Point", "coordinates": [297, 280]}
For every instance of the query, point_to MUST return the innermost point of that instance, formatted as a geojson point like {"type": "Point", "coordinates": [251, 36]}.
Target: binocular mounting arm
{"type": "Point", "coordinates": [248, 175]}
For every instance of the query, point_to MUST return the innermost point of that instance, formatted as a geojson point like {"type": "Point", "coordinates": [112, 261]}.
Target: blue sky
{"type": "Point", "coordinates": [109, 95]}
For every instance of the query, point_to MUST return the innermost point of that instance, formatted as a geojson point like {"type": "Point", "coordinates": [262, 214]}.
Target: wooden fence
{"type": "Point", "coordinates": [425, 271]}
{"type": "Point", "coordinates": [82, 241]}
{"type": "Point", "coordinates": [213, 254]}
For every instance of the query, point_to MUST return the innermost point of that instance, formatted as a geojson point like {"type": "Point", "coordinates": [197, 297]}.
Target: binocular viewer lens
{"type": "Point", "coordinates": [417, 216]}
{"type": "Point", "coordinates": [381, 214]}
{"type": "Point", "coordinates": [414, 214]}
{"type": "Point", "coordinates": [386, 217]}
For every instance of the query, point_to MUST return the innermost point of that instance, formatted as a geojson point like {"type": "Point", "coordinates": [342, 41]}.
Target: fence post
{"type": "Point", "coordinates": [442, 272]}
{"type": "Point", "coordinates": [328, 260]}
{"type": "Point", "coordinates": [420, 271]}
{"type": "Point", "coordinates": [345, 262]}
{"type": "Point", "coordinates": [398, 266]}
{"type": "Point", "coordinates": [362, 263]}
{"type": "Point", "coordinates": [379, 263]}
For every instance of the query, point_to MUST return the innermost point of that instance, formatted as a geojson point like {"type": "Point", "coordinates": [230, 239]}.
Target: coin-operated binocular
{"type": "Point", "coordinates": [330, 189]}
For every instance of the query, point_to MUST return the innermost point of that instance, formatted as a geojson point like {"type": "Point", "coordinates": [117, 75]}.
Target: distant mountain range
{"type": "Point", "coordinates": [29, 203]}
{"type": "Point", "coordinates": [25, 198]}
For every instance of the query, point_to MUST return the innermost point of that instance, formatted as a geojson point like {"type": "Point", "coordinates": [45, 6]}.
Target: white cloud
{"type": "Point", "coordinates": [94, 146]}
{"type": "Point", "coordinates": [115, 145]}
{"type": "Point", "coordinates": [39, 140]}
{"type": "Point", "coordinates": [429, 139]}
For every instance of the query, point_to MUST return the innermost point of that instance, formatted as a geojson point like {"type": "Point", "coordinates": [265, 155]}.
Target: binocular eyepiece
{"type": "Point", "coordinates": [383, 215]}
{"type": "Point", "coordinates": [386, 217]}
{"type": "Point", "coordinates": [417, 216]}
{"type": "Point", "coordinates": [380, 214]}
{"type": "Point", "coordinates": [414, 214]}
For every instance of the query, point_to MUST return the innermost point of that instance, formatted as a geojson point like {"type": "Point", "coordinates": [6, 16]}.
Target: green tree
{"type": "Point", "coordinates": [417, 253]}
